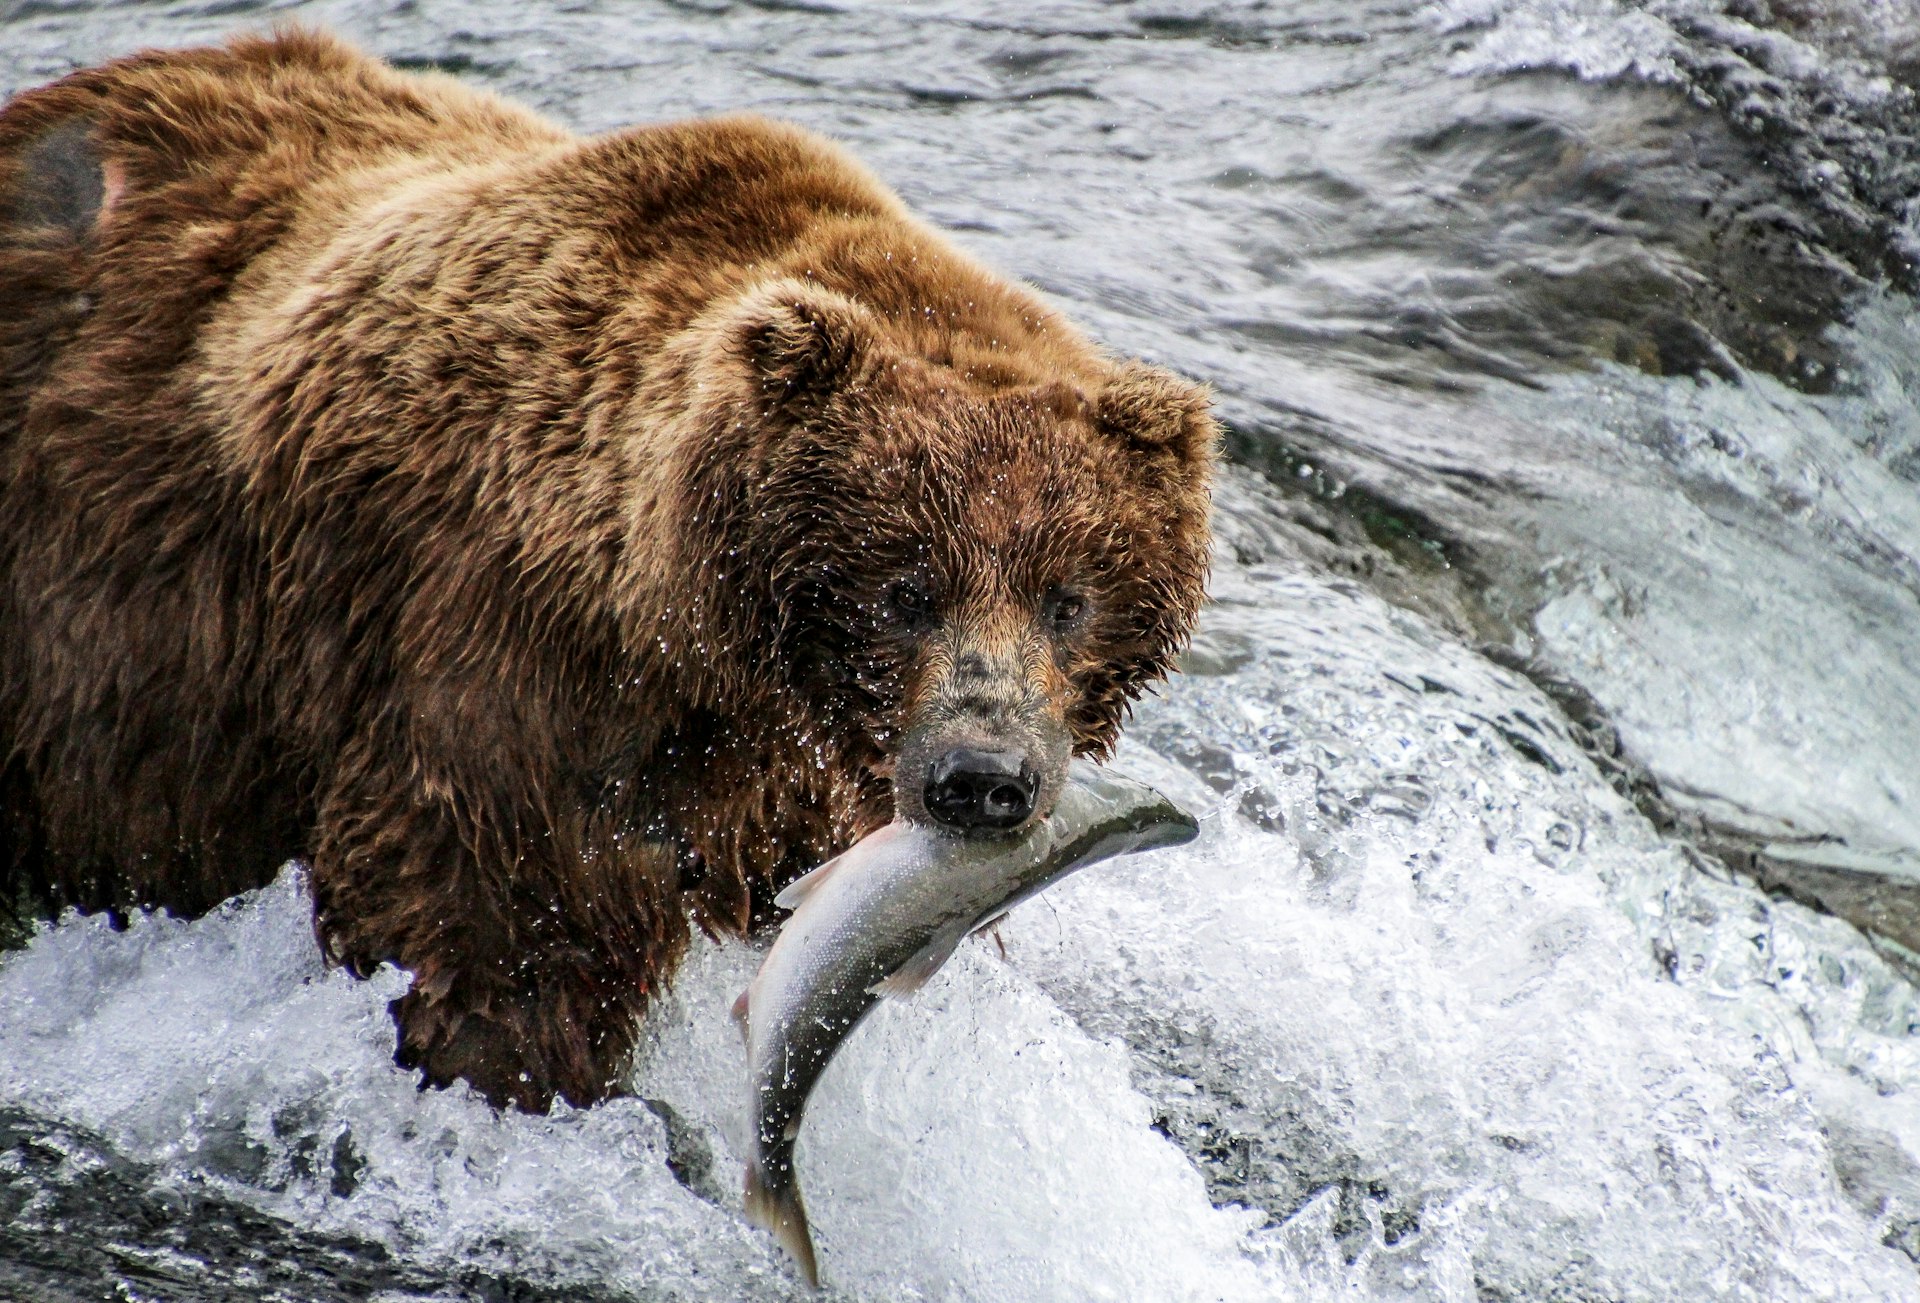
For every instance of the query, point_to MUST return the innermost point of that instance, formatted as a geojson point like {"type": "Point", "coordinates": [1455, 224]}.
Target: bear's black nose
{"type": "Point", "coordinates": [980, 791]}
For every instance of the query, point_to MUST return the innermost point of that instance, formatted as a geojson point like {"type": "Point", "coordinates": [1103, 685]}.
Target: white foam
{"type": "Point", "coordinates": [1594, 39]}
{"type": "Point", "coordinates": [222, 1051]}
{"type": "Point", "coordinates": [1457, 980]}
{"type": "Point", "coordinates": [1845, 44]}
{"type": "Point", "coordinates": [974, 1144]}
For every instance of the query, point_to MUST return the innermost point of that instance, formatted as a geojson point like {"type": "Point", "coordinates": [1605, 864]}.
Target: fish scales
{"type": "Point", "coordinates": [880, 920]}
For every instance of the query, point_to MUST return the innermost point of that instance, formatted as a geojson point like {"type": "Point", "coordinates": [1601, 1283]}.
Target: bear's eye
{"type": "Point", "coordinates": [911, 603]}
{"type": "Point", "coordinates": [1063, 608]}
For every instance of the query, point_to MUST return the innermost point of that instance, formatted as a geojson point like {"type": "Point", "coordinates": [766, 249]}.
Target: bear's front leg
{"type": "Point", "coordinates": [534, 950]}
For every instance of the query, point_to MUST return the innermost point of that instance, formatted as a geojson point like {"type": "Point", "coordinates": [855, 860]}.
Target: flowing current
{"type": "Point", "coordinates": [1554, 927]}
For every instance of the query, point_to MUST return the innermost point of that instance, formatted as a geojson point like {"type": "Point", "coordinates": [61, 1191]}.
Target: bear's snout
{"type": "Point", "coordinates": [980, 791]}
{"type": "Point", "coordinates": [987, 746]}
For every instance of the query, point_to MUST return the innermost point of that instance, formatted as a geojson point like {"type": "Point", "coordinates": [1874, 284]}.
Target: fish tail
{"type": "Point", "coordinates": [774, 1205]}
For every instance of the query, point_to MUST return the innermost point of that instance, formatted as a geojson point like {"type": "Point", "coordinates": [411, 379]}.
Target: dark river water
{"type": "Point", "coordinates": [1554, 928]}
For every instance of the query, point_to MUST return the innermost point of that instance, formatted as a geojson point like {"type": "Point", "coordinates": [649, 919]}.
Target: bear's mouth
{"type": "Point", "coordinates": [978, 782]}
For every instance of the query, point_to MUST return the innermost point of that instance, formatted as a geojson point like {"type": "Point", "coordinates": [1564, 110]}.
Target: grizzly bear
{"type": "Point", "coordinates": [554, 542]}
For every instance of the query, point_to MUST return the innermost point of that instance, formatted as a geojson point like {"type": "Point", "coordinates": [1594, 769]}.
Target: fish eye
{"type": "Point", "coordinates": [1063, 608]}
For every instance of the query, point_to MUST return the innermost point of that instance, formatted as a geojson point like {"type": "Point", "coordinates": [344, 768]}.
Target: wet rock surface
{"type": "Point", "coordinates": [79, 1223]}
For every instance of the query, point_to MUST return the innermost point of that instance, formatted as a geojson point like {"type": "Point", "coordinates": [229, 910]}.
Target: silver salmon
{"type": "Point", "coordinates": [881, 919]}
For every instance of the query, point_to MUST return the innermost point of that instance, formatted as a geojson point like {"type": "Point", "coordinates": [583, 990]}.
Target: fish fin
{"type": "Point", "coordinates": [740, 1011]}
{"type": "Point", "coordinates": [809, 882]}
{"type": "Point", "coordinates": [993, 923]}
{"type": "Point", "coordinates": [916, 972]}
{"type": "Point", "coordinates": [992, 928]}
{"type": "Point", "coordinates": [803, 886]}
{"type": "Point", "coordinates": [781, 1213]}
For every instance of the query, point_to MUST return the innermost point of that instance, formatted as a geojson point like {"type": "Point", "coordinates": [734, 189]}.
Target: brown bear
{"type": "Point", "coordinates": [549, 540]}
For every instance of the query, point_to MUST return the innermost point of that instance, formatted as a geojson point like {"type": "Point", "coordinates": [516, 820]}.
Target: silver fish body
{"type": "Point", "coordinates": [880, 920]}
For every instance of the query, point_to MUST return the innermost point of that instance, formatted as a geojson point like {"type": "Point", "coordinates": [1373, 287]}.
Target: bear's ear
{"type": "Point", "coordinates": [802, 343]}
{"type": "Point", "coordinates": [1154, 410]}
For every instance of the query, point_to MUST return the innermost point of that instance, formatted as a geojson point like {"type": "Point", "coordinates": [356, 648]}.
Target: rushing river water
{"type": "Point", "coordinates": [1553, 931]}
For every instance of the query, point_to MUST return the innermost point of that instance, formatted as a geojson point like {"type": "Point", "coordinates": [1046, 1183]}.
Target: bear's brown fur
{"type": "Point", "coordinates": [548, 539]}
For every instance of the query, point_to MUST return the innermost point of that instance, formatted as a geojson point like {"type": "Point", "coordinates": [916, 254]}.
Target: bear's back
{"type": "Point", "coordinates": [140, 764]}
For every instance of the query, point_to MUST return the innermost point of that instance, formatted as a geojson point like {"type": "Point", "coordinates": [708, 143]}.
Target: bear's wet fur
{"type": "Point", "coordinates": [552, 541]}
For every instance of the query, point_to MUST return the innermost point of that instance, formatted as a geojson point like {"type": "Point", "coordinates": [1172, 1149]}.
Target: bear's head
{"type": "Point", "coordinates": [957, 584]}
